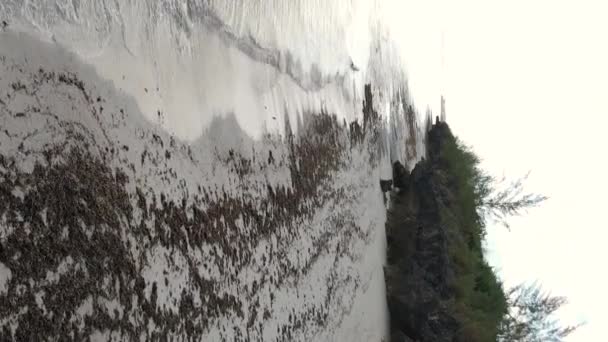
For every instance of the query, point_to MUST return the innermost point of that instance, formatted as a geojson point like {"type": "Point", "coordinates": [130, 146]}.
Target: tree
{"type": "Point", "coordinates": [497, 200]}
{"type": "Point", "coordinates": [494, 199]}
{"type": "Point", "coordinates": [500, 199]}
{"type": "Point", "coordinates": [531, 316]}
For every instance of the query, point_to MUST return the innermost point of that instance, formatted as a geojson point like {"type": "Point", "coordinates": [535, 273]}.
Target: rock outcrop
{"type": "Point", "coordinates": [419, 273]}
{"type": "Point", "coordinates": [400, 175]}
{"type": "Point", "coordinates": [386, 185]}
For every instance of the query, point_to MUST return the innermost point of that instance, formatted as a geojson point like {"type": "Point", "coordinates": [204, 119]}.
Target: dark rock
{"type": "Point", "coordinates": [437, 136]}
{"type": "Point", "coordinates": [399, 336]}
{"type": "Point", "coordinates": [420, 273]}
{"type": "Point", "coordinates": [386, 184]}
{"type": "Point", "coordinates": [400, 175]}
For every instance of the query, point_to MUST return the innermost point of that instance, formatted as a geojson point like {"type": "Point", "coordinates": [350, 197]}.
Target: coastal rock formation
{"type": "Point", "coordinates": [419, 272]}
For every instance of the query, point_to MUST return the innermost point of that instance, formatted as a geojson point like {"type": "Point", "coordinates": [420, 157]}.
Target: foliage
{"type": "Point", "coordinates": [481, 303]}
{"type": "Point", "coordinates": [494, 200]}
{"type": "Point", "coordinates": [511, 200]}
{"type": "Point", "coordinates": [530, 318]}
{"type": "Point", "coordinates": [470, 199]}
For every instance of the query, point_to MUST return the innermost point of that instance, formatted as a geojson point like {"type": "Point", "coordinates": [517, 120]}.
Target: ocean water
{"type": "Point", "coordinates": [259, 60]}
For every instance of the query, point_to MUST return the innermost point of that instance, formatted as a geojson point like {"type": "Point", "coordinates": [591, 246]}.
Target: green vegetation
{"type": "Point", "coordinates": [480, 302]}
{"type": "Point", "coordinates": [530, 316]}
{"type": "Point", "coordinates": [485, 311]}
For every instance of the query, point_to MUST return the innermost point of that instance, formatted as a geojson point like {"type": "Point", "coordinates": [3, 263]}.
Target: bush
{"type": "Point", "coordinates": [480, 301]}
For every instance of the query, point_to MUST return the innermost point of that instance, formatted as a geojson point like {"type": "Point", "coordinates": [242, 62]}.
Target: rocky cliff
{"type": "Point", "coordinates": [439, 285]}
{"type": "Point", "coordinates": [420, 272]}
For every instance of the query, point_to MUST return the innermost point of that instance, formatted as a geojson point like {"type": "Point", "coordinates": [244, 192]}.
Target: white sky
{"type": "Point", "coordinates": [526, 86]}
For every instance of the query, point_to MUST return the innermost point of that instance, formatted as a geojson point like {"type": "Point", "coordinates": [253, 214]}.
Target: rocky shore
{"type": "Point", "coordinates": [439, 287]}
{"type": "Point", "coordinates": [419, 270]}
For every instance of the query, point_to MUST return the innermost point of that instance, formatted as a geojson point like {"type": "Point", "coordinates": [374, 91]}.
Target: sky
{"type": "Point", "coordinates": [525, 86]}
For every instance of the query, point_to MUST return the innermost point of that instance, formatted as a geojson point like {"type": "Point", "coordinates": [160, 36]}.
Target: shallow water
{"type": "Point", "coordinates": [188, 61]}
